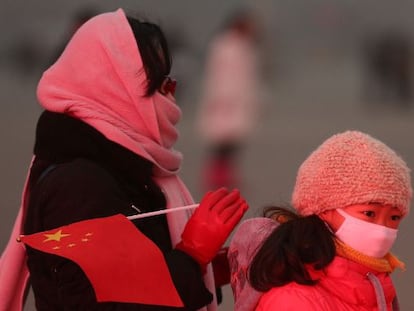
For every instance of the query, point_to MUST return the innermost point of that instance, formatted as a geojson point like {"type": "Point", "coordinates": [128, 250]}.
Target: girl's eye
{"type": "Point", "coordinates": [396, 217]}
{"type": "Point", "coordinates": [369, 213]}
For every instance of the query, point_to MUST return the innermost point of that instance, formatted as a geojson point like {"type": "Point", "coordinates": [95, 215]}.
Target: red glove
{"type": "Point", "coordinates": [211, 224]}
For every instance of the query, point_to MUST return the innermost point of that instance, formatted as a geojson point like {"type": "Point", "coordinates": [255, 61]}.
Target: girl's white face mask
{"type": "Point", "coordinates": [368, 238]}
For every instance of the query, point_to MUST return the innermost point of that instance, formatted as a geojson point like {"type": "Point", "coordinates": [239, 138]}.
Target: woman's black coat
{"type": "Point", "coordinates": [78, 174]}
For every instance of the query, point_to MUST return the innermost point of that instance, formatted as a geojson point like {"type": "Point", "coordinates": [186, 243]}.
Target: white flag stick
{"type": "Point", "coordinates": [164, 211]}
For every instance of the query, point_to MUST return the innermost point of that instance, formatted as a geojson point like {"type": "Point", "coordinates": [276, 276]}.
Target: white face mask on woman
{"type": "Point", "coordinates": [368, 238]}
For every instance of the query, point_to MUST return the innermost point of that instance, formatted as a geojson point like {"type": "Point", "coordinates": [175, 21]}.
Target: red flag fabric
{"type": "Point", "coordinates": [122, 264]}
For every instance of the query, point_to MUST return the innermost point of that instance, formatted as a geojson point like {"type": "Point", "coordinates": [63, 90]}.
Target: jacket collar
{"type": "Point", "coordinates": [348, 281]}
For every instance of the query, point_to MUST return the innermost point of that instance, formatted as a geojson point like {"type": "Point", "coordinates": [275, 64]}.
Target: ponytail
{"type": "Point", "coordinates": [283, 257]}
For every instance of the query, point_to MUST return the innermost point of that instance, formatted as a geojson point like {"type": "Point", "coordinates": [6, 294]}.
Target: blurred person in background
{"type": "Point", "coordinates": [389, 64]}
{"type": "Point", "coordinates": [104, 146]}
{"type": "Point", "coordinates": [230, 98]}
{"type": "Point", "coordinates": [332, 250]}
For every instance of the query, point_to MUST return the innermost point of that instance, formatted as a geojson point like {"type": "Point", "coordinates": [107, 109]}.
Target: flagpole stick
{"type": "Point", "coordinates": [164, 211]}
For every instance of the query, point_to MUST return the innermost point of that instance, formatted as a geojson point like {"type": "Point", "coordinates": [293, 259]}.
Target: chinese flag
{"type": "Point", "coordinates": [122, 264]}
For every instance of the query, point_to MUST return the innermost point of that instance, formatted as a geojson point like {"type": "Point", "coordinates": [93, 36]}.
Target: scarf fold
{"type": "Point", "coordinates": [117, 107]}
{"type": "Point", "coordinates": [14, 273]}
{"type": "Point", "coordinates": [386, 264]}
{"type": "Point", "coordinates": [178, 195]}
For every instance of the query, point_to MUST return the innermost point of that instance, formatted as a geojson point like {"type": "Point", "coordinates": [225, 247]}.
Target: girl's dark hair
{"type": "Point", "coordinates": [153, 47]}
{"type": "Point", "coordinates": [295, 243]}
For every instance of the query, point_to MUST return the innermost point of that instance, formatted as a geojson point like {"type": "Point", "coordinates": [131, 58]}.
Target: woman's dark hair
{"type": "Point", "coordinates": [153, 47]}
{"type": "Point", "coordinates": [295, 243]}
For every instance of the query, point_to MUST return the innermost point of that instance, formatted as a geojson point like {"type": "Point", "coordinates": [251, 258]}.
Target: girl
{"type": "Point", "coordinates": [350, 195]}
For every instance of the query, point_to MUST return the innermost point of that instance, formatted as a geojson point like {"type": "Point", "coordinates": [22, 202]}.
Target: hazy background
{"type": "Point", "coordinates": [314, 83]}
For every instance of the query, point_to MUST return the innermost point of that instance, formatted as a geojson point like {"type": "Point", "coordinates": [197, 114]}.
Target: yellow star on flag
{"type": "Point", "coordinates": [55, 236]}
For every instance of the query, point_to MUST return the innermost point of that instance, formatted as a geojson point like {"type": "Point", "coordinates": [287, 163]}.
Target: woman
{"type": "Point", "coordinates": [104, 145]}
{"type": "Point", "coordinates": [350, 194]}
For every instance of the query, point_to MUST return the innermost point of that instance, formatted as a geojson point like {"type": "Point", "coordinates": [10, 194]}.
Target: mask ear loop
{"type": "Point", "coordinates": [329, 227]}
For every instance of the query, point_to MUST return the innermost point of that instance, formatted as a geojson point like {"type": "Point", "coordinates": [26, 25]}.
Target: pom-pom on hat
{"type": "Point", "coordinates": [351, 168]}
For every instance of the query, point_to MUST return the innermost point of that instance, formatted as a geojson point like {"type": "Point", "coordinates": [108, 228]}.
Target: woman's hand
{"type": "Point", "coordinates": [211, 224]}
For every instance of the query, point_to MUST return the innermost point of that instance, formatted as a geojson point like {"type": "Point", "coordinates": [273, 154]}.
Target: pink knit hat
{"type": "Point", "coordinates": [351, 168]}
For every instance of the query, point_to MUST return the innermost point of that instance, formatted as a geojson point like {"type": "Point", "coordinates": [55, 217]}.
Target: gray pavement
{"type": "Point", "coordinates": [313, 93]}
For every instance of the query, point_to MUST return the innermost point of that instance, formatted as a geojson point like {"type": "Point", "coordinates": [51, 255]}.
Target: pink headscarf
{"type": "Point", "coordinates": [117, 107]}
